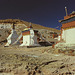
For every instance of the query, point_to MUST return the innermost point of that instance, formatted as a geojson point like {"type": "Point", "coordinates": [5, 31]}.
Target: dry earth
{"type": "Point", "coordinates": [15, 60]}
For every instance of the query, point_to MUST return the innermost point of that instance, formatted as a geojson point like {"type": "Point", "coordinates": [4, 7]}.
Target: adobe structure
{"type": "Point", "coordinates": [12, 38]}
{"type": "Point", "coordinates": [67, 36]}
{"type": "Point", "coordinates": [29, 37]}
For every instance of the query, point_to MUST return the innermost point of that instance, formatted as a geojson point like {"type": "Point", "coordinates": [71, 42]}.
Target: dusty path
{"type": "Point", "coordinates": [16, 60]}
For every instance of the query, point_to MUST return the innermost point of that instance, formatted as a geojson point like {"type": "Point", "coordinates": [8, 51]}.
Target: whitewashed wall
{"type": "Point", "coordinates": [30, 40]}
{"type": "Point", "coordinates": [63, 35]}
{"type": "Point", "coordinates": [26, 40]}
{"type": "Point", "coordinates": [69, 36]}
{"type": "Point", "coordinates": [32, 37]}
{"type": "Point", "coordinates": [59, 38]}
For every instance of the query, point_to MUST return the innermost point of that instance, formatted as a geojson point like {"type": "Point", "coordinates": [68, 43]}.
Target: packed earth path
{"type": "Point", "coordinates": [16, 60]}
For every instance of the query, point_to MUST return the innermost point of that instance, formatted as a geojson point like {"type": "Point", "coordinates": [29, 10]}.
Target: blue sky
{"type": "Point", "coordinates": [43, 12]}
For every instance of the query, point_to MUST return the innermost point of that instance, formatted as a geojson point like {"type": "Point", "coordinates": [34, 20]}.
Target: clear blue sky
{"type": "Point", "coordinates": [43, 12]}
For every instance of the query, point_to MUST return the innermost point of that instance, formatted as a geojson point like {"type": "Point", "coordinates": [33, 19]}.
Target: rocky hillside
{"type": "Point", "coordinates": [20, 25]}
{"type": "Point", "coordinates": [35, 26]}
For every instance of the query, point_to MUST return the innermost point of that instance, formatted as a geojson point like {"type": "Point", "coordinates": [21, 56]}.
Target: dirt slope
{"type": "Point", "coordinates": [15, 60]}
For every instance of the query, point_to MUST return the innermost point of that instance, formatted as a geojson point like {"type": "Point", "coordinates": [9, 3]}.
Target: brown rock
{"type": "Point", "coordinates": [57, 51]}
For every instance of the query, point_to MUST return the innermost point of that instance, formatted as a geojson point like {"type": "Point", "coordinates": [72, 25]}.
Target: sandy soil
{"type": "Point", "coordinates": [15, 60]}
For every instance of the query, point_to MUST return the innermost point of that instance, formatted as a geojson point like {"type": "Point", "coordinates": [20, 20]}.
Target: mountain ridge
{"type": "Point", "coordinates": [35, 26]}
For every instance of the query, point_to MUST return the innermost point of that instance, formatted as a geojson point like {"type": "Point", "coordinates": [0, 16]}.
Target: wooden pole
{"type": "Point", "coordinates": [66, 11]}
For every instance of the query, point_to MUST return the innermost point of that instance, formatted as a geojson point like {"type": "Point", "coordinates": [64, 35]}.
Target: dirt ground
{"type": "Point", "coordinates": [15, 60]}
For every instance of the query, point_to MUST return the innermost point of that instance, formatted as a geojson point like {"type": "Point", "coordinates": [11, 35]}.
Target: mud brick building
{"type": "Point", "coordinates": [67, 36]}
